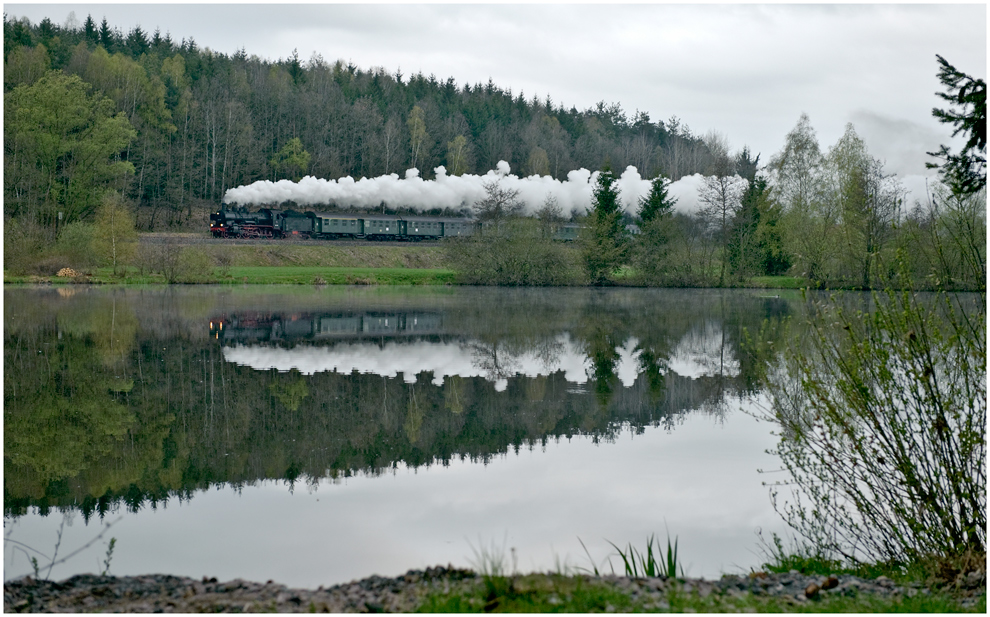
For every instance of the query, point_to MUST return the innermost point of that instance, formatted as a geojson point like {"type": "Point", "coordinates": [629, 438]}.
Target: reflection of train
{"type": "Point", "coordinates": [263, 327]}
{"type": "Point", "coordinates": [266, 223]}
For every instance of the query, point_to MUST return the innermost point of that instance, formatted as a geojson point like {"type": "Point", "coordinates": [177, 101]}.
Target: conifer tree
{"type": "Point", "coordinates": [965, 172]}
{"type": "Point", "coordinates": [106, 36]}
{"type": "Point", "coordinates": [89, 31]}
{"type": "Point", "coordinates": [658, 203]}
{"type": "Point", "coordinates": [605, 246]}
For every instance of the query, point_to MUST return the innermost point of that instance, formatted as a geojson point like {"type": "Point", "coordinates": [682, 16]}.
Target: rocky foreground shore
{"type": "Point", "coordinates": [163, 593]}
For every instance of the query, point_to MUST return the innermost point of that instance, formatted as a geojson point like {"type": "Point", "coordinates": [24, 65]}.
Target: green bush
{"type": "Point", "coordinates": [194, 266]}
{"type": "Point", "coordinates": [75, 245]}
{"type": "Point", "coordinates": [515, 255]}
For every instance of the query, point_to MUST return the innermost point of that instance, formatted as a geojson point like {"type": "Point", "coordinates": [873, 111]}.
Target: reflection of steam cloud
{"type": "Point", "coordinates": [411, 359]}
{"type": "Point", "coordinates": [451, 359]}
{"type": "Point", "coordinates": [572, 194]}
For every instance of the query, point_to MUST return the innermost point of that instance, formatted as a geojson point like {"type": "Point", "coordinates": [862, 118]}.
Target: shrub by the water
{"type": "Point", "coordinates": [882, 420]}
{"type": "Point", "coordinates": [515, 254]}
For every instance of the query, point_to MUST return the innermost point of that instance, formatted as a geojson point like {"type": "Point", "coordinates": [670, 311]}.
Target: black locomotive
{"type": "Point", "coordinates": [237, 222]}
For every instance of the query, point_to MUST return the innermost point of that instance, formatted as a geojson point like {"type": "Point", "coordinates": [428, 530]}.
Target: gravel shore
{"type": "Point", "coordinates": [163, 593]}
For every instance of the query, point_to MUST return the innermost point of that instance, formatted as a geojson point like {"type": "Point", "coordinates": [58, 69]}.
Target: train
{"type": "Point", "coordinates": [275, 328]}
{"type": "Point", "coordinates": [238, 222]}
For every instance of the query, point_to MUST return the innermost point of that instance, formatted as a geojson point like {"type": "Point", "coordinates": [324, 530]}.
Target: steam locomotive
{"type": "Point", "coordinates": [237, 222]}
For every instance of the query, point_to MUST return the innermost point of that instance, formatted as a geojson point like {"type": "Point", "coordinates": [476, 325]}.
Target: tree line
{"type": "Point", "coordinates": [170, 126]}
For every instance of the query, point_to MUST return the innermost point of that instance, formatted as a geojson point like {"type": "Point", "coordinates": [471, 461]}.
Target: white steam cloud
{"type": "Point", "coordinates": [572, 194]}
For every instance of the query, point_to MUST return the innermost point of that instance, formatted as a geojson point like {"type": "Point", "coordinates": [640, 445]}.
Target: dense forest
{"type": "Point", "coordinates": [201, 122]}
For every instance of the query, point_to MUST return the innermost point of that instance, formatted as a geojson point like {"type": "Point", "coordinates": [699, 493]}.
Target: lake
{"type": "Point", "coordinates": [317, 435]}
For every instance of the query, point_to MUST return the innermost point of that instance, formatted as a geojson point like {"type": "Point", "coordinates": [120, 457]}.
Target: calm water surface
{"type": "Point", "coordinates": [315, 436]}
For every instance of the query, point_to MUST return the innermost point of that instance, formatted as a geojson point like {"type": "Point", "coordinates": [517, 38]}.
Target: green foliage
{"type": "Point", "coordinates": [605, 197]}
{"type": "Point", "coordinates": [75, 244]}
{"type": "Point", "coordinates": [756, 246]}
{"type": "Point", "coordinates": [883, 428]}
{"type": "Point", "coordinates": [457, 153]}
{"type": "Point", "coordinates": [61, 149]}
{"type": "Point", "coordinates": [194, 266]}
{"type": "Point", "coordinates": [538, 593]}
{"type": "Point", "coordinates": [115, 239]}
{"type": "Point", "coordinates": [206, 121]}
{"type": "Point", "coordinates": [490, 561]}
{"type": "Point", "coordinates": [292, 161]}
{"type": "Point", "coordinates": [966, 171]}
{"type": "Point", "coordinates": [774, 259]}
{"type": "Point", "coordinates": [867, 202]}
{"type": "Point", "coordinates": [290, 393]}
{"type": "Point", "coordinates": [25, 65]}
{"type": "Point", "coordinates": [304, 275]}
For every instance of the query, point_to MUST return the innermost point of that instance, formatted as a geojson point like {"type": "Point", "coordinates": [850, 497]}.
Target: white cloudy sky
{"type": "Point", "coordinates": [748, 71]}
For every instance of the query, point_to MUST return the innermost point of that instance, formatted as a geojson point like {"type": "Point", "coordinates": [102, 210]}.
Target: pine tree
{"type": "Point", "coordinates": [89, 31]}
{"type": "Point", "coordinates": [965, 172]}
{"type": "Point", "coordinates": [658, 204]}
{"type": "Point", "coordinates": [604, 243]}
{"type": "Point", "coordinates": [137, 42]}
{"type": "Point", "coordinates": [106, 36]}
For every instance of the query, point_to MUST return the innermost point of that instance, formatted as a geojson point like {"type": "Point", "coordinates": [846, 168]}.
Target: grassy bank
{"type": "Point", "coordinates": [315, 275]}
{"type": "Point", "coordinates": [203, 260]}
{"type": "Point", "coordinates": [788, 582]}
{"type": "Point", "coordinates": [429, 257]}
{"type": "Point", "coordinates": [549, 593]}
{"type": "Point", "coordinates": [255, 275]}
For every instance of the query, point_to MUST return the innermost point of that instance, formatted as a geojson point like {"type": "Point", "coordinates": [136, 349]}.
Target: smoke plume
{"type": "Point", "coordinates": [573, 195]}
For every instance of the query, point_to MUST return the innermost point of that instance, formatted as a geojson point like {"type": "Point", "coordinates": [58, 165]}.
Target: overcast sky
{"type": "Point", "coordinates": [747, 71]}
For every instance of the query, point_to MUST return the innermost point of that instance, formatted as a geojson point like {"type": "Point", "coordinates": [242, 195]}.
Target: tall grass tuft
{"type": "Point", "coordinates": [490, 561]}
{"type": "Point", "coordinates": [654, 563]}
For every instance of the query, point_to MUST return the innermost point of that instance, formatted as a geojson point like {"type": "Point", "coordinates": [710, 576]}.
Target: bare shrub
{"type": "Point", "coordinates": [23, 243]}
{"type": "Point", "coordinates": [882, 428]}
{"type": "Point", "coordinates": [222, 260]}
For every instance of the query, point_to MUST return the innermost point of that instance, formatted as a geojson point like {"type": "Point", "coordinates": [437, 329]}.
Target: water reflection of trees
{"type": "Point", "coordinates": [133, 404]}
